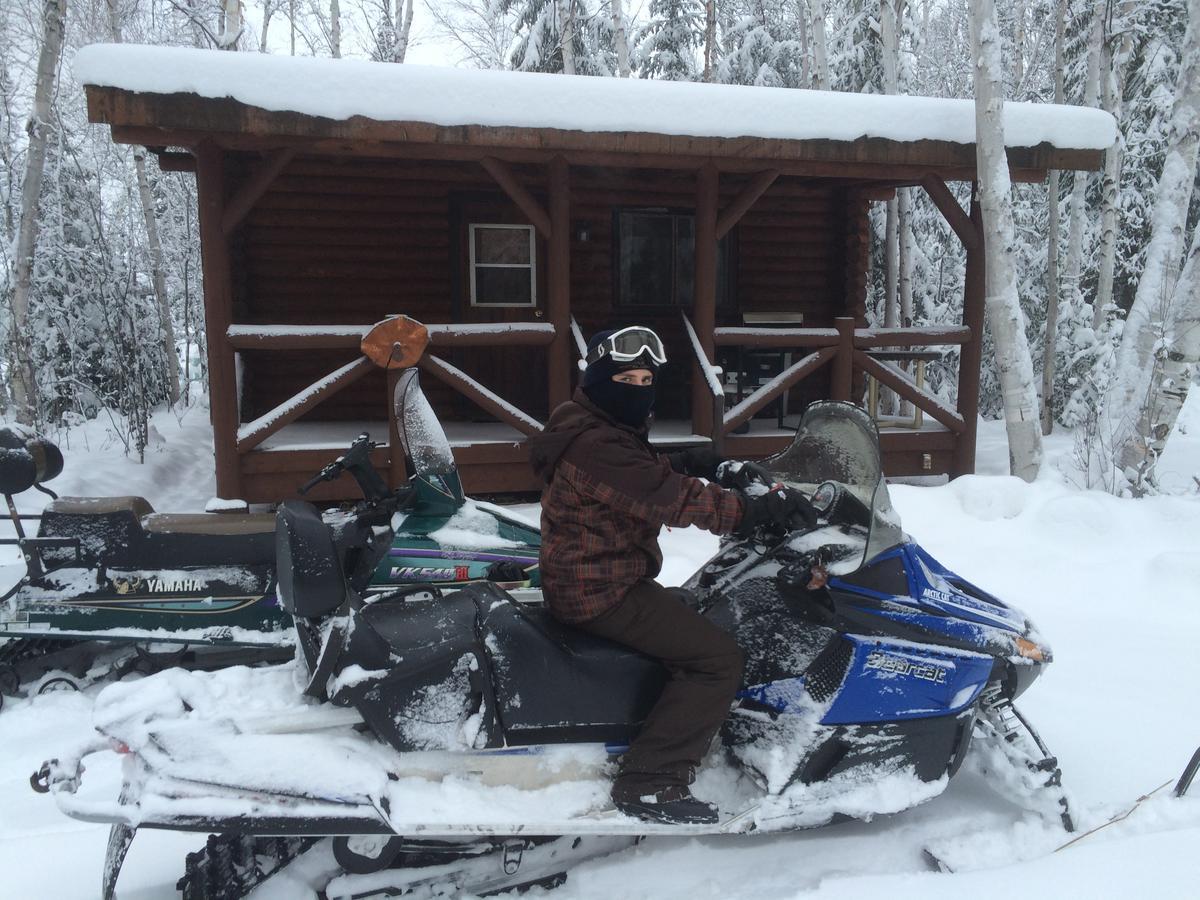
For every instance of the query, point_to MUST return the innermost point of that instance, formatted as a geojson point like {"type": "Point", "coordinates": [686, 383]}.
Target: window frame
{"type": "Point", "coordinates": [472, 265]}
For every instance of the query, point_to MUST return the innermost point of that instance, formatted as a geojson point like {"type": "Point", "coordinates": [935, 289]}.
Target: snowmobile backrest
{"type": "Point", "coordinates": [311, 581]}
{"type": "Point", "coordinates": [109, 530]}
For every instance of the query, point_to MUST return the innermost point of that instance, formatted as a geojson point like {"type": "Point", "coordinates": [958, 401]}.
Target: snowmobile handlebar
{"type": "Point", "coordinates": [357, 462]}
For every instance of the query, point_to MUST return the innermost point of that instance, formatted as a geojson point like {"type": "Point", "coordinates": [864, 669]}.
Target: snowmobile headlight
{"type": "Point", "coordinates": [1029, 650]}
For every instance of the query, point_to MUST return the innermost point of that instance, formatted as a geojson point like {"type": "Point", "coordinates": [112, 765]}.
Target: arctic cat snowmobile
{"type": "Point", "coordinates": [465, 741]}
{"type": "Point", "coordinates": [111, 586]}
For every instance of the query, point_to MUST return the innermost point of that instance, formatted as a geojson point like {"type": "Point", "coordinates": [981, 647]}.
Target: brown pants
{"type": "Point", "coordinates": [706, 671]}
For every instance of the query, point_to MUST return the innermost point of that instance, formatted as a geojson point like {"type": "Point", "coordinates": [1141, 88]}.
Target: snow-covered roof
{"type": "Point", "coordinates": [385, 92]}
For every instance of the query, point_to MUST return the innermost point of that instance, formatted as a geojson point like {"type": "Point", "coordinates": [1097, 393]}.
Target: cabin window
{"type": "Point", "coordinates": [656, 259]}
{"type": "Point", "coordinates": [503, 265]}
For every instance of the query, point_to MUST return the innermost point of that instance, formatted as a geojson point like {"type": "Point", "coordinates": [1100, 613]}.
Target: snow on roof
{"type": "Point", "coordinates": [341, 88]}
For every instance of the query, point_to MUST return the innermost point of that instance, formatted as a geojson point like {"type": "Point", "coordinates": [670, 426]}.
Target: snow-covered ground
{"type": "Point", "coordinates": [1114, 585]}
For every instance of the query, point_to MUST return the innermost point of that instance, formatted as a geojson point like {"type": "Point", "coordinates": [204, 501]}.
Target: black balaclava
{"type": "Point", "coordinates": [629, 404]}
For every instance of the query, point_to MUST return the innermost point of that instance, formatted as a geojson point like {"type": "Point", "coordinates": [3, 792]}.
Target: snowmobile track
{"type": "Point", "coordinates": [232, 865]}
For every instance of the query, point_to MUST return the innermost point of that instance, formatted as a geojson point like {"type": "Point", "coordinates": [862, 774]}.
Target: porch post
{"type": "Point", "coordinates": [558, 299]}
{"type": "Point", "coordinates": [971, 356]}
{"type": "Point", "coordinates": [704, 300]}
{"type": "Point", "coordinates": [218, 316]}
{"type": "Point", "coordinates": [842, 385]}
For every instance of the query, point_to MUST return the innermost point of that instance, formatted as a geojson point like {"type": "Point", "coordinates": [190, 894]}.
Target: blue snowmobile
{"type": "Point", "coordinates": [870, 669]}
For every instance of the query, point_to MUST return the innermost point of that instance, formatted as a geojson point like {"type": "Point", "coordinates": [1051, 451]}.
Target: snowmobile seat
{"type": "Point", "coordinates": [210, 538]}
{"type": "Point", "coordinates": [209, 523]}
{"type": "Point", "coordinates": [569, 685]}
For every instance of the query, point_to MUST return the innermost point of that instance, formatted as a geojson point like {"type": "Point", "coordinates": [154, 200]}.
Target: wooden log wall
{"type": "Point", "coordinates": [351, 241]}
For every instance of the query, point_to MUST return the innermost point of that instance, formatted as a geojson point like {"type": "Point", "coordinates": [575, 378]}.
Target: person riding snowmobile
{"type": "Point", "coordinates": [607, 494]}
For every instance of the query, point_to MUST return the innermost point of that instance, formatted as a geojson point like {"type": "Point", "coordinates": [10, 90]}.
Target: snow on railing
{"type": "Point", "coordinates": [710, 371]}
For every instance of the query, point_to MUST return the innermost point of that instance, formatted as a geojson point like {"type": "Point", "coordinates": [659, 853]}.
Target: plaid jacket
{"type": "Point", "coordinates": [607, 494]}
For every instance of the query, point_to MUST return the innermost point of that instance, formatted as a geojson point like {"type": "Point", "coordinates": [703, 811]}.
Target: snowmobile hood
{"type": "Point", "coordinates": [568, 422]}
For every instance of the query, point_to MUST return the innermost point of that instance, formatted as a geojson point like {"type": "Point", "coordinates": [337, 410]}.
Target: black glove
{"type": "Point", "coordinates": [699, 462]}
{"type": "Point", "coordinates": [782, 507]}
{"type": "Point", "coordinates": [738, 474]}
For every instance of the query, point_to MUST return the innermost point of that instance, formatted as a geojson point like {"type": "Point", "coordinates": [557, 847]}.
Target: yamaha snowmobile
{"type": "Point", "coordinates": [111, 586]}
{"type": "Point", "coordinates": [466, 741]}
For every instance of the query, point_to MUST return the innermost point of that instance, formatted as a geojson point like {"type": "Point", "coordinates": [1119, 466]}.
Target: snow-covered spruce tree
{"type": "Point", "coordinates": [758, 48]}
{"type": "Point", "coordinates": [560, 36]}
{"type": "Point", "coordinates": [1139, 359]}
{"type": "Point", "coordinates": [669, 45]}
{"type": "Point", "coordinates": [1003, 305]}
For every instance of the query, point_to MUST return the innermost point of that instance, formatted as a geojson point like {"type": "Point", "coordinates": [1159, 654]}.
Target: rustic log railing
{"type": "Point", "coordinates": [346, 337]}
{"type": "Point", "coordinates": [846, 348]}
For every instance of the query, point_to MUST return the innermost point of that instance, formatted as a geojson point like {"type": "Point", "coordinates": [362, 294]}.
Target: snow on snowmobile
{"type": "Point", "coordinates": [466, 741]}
{"type": "Point", "coordinates": [112, 587]}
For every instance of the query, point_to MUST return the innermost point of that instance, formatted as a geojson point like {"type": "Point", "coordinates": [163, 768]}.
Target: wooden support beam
{"type": "Point", "coordinates": [347, 337]}
{"type": "Point", "coordinates": [218, 313]}
{"type": "Point", "coordinates": [971, 357]}
{"type": "Point", "coordinates": [843, 367]}
{"type": "Point", "coordinates": [254, 433]}
{"type": "Point", "coordinates": [755, 188]}
{"type": "Point", "coordinates": [784, 381]}
{"type": "Point", "coordinates": [775, 337]}
{"type": "Point", "coordinates": [743, 162]}
{"type": "Point", "coordinates": [944, 200]}
{"type": "Point", "coordinates": [559, 364]}
{"type": "Point", "coordinates": [704, 293]}
{"type": "Point", "coordinates": [906, 388]}
{"type": "Point", "coordinates": [173, 161]}
{"type": "Point", "coordinates": [249, 192]}
{"type": "Point", "coordinates": [929, 336]}
{"type": "Point", "coordinates": [487, 400]}
{"type": "Point", "coordinates": [518, 194]}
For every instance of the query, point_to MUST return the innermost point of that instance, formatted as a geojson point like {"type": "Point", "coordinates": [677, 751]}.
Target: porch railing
{"type": "Point", "coordinates": [845, 348]}
{"type": "Point", "coordinates": [350, 337]}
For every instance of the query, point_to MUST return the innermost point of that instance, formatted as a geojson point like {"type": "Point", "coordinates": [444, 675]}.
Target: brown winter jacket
{"type": "Point", "coordinates": [607, 494]}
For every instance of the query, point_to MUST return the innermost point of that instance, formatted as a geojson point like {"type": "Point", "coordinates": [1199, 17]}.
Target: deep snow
{"type": "Point", "coordinates": [1111, 583]}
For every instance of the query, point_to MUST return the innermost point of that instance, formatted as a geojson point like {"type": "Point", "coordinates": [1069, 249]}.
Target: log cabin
{"type": "Point", "coordinates": [515, 213]}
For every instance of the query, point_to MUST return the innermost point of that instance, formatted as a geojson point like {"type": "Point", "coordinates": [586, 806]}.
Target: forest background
{"type": "Point", "coordinates": [100, 279]}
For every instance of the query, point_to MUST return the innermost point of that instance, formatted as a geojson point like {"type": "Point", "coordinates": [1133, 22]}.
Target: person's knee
{"type": "Point", "coordinates": [724, 663]}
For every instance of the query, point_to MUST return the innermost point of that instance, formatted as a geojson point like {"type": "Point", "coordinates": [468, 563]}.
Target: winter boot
{"type": "Point", "coordinates": [673, 804]}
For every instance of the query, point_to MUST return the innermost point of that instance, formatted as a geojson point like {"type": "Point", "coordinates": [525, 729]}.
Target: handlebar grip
{"type": "Point", "coordinates": [311, 483]}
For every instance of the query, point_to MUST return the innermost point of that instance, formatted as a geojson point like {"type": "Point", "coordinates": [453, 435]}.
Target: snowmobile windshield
{"type": "Point", "coordinates": [838, 443]}
{"type": "Point", "coordinates": [421, 433]}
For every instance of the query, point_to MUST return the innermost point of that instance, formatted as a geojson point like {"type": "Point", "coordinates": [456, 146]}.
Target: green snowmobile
{"type": "Point", "coordinates": [110, 586]}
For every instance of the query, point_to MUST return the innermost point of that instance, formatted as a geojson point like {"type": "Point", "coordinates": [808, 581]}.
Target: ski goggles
{"type": "Point", "coordinates": [629, 344]}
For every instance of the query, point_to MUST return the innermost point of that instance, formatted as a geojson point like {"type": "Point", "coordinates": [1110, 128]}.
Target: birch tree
{"type": "Point", "coordinates": [231, 26]}
{"type": "Point", "coordinates": [1074, 262]}
{"type": "Point", "coordinates": [1131, 391]}
{"type": "Point", "coordinates": [24, 388]}
{"type": "Point", "coordinates": [621, 39]}
{"type": "Point", "coordinates": [1051, 344]}
{"type": "Point", "coordinates": [816, 9]}
{"type": "Point", "coordinates": [157, 276]}
{"type": "Point", "coordinates": [1004, 314]}
{"type": "Point", "coordinates": [1112, 90]}
{"type": "Point", "coordinates": [1181, 358]}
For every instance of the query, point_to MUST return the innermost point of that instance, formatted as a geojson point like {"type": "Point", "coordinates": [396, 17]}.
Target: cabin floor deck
{"type": "Point", "coordinates": [491, 459]}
